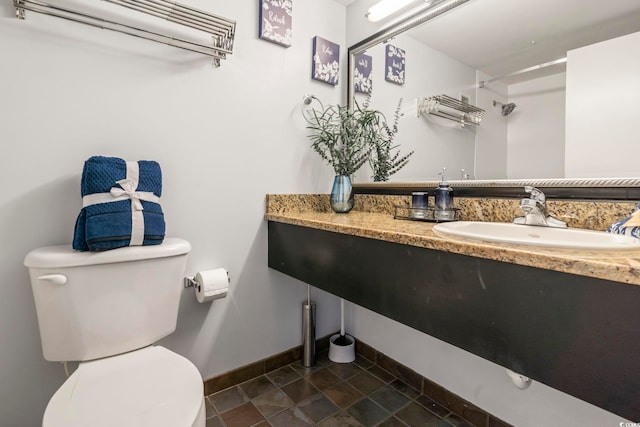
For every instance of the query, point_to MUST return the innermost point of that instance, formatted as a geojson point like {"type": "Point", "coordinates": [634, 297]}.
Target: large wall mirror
{"type": "Point", "coordinates": [557, 82]}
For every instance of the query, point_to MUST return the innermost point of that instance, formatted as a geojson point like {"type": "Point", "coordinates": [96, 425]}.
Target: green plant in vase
{"type": "Point", "coordinates": [348, 138]}
{"type": "Point", "coordinates": [341, 136]}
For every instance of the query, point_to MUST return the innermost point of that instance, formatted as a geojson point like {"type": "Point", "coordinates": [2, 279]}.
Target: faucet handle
{"type": "Point", "coordinates": [536, 194]}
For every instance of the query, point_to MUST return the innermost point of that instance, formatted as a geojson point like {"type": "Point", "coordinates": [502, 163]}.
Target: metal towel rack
{"type": "Point", "coordinates": [222, 30]}
{"type": "Point", "coordinates": [451, 108]}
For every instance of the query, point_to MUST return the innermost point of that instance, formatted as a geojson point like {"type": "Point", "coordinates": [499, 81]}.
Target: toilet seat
{"type": "Point", "coordinates": [148, 387]}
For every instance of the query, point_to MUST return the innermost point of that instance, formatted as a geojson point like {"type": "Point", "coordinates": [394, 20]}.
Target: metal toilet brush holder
{"type": "Point", "coordinates": [308, 334]}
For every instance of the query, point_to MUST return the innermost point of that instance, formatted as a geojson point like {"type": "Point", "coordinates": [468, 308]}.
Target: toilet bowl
{"type": "Point", "coordinates": [148, 387]}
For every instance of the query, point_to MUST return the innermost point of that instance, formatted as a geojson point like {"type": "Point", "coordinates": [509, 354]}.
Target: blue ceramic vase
{"type": "Point", "coordinates": [341, 194]}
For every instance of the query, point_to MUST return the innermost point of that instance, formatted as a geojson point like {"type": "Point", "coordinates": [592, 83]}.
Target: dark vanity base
{"type": "Point", "coordinates": [576, 334]}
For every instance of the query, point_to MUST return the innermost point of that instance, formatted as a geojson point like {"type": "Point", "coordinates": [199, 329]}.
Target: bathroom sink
{"type": "Point", "coordinates": [568, 238]}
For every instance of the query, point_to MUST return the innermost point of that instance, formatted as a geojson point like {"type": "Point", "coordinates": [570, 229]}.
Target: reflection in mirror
{"type": "Point", "coordinates": [544, 116]}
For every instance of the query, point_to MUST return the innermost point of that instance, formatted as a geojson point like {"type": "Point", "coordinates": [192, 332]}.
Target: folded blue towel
{"type": "Point", "coordinates": [622, 226]}
{"type": "Point", "coordinates": [105, 222]}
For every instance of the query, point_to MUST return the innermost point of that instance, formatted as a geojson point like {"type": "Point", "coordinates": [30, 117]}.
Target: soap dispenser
{"type": "Point", "coordinates": [444, 210]}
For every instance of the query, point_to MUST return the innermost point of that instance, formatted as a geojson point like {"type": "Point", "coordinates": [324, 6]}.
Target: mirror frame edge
{"type": "Point", "coordinates": [560, 188]}
{"type": "Point", "coordinates": [615, 189]}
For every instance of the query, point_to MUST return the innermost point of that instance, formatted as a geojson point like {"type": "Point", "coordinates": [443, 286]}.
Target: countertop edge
{"type": "Point", "coordinates": [619, 268]}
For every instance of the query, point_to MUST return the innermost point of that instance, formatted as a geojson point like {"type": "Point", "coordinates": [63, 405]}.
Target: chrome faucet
{"type": "Point", "coordinates": [535, 211]}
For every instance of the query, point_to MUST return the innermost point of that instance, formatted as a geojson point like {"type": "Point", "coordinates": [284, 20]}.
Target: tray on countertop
{"type": "Point", "coordinates": [428, 214]}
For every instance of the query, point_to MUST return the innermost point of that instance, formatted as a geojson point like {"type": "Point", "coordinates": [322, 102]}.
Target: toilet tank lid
{"type": "Point", "coordinates": [65, 256]}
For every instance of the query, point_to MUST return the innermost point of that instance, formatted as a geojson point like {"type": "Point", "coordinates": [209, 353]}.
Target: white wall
{"type": "Point", "coordinates": [536, 129]}
{"type": "Point", "coordinates": [603, 96]}
{"type": "Point", "coordinates": [224, 137]}
{"type": "Point", "coordinates": [491, 135]}
{"type": "Point", "coordinates": [358, 27]}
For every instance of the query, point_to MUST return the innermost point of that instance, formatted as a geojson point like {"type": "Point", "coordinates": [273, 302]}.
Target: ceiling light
{"type": "Point", "coordinates": [385, 8]}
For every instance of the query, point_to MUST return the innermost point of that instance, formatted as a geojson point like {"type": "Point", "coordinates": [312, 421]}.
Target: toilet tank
{"type": "Point", "coordinates": [98, 304]}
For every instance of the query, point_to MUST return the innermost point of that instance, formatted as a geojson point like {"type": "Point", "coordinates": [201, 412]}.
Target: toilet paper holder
{"type": "Point", "coordinates": [209, 285]}
{"type": "Point", "coordinates": [189, 281]}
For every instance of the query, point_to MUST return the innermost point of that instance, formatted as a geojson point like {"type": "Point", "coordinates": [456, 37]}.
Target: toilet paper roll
{"type": "Point", "coordinates": [211, 284]}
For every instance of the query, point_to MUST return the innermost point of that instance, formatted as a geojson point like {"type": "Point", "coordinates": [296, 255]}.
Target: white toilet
{"type": "Point", "coordinates": [106, 309]}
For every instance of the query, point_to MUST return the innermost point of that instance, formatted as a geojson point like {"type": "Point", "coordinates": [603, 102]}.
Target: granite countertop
{"type": "Point", "coordinates": [621, 266]}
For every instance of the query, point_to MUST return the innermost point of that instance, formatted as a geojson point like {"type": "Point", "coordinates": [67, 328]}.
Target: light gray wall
{"type": "Point", "coordinates": [491, 135]}
{"type": "Point", "coordinates": [536, 128]}
{"type": "Point", "coordinates": [358, 27]}
{"type": "Point", "coordinates": [603, 93]}
{"type": "Point", "coordinates": [224, 137]}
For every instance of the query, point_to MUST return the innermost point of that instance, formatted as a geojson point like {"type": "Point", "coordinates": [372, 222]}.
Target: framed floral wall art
{"type": "Point", "coordinates": [395, 62]}
{"type": "Point", "coordinates": [275, 21]}
{"type": "Point", "coordinates": [362, 73]}
{"type": "Point", "coordinates": [326, 61]}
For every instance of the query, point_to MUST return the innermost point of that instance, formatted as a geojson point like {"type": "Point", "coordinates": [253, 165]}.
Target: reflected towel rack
{"type": "Point", "coordinates": [450, 108]}
{"type": "Point", "coordinates": [222, 30]}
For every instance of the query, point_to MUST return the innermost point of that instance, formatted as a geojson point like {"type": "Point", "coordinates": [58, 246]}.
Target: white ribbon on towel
{"type": "Point", "coordinates": [129, 185]}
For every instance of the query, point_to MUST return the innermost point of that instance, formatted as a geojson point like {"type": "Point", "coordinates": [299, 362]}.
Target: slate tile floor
{"type": "Point", "coordinates": [327, 395]}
